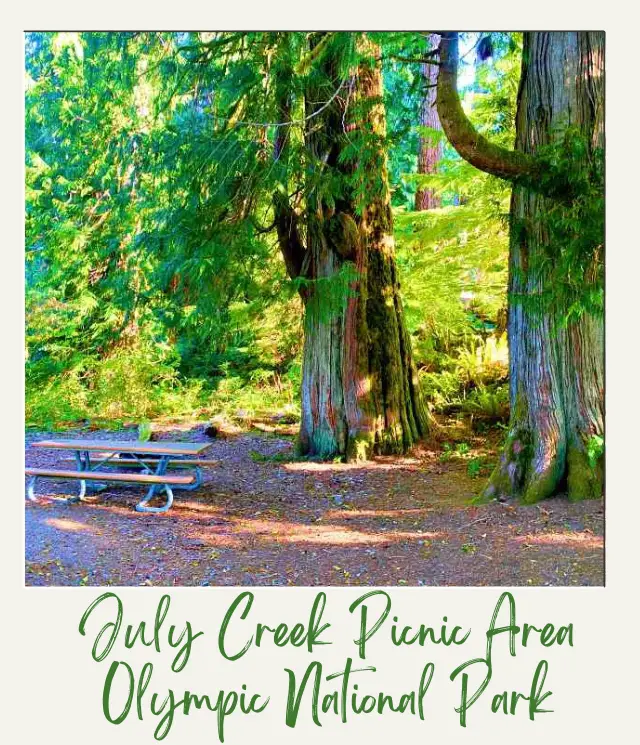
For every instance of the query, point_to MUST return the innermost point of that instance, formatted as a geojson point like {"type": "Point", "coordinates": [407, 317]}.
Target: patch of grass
{"type": "Point", "coordinates": [474, 467]}
{"type": "Point", "coordinates": [447, 453]}
{"type": "Point", "coordinates": [462, 449]}
{"type": "Point", "coordinates": [286, 457]}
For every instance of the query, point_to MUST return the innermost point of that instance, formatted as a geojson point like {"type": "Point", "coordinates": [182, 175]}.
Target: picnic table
{"type": "Point", "coordinates": [155, 464]}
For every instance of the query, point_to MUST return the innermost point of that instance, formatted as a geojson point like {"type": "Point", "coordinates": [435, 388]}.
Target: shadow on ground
{"type": "Point", "coordinates": [263, 518]}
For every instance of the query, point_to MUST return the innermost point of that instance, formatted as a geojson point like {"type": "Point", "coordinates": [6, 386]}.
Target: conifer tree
{"type": "Point", "coordinates": [555, 318]}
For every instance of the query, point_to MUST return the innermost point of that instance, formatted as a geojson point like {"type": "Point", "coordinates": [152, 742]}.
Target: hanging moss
{"type": "Point", "coordinates": [572, 180]}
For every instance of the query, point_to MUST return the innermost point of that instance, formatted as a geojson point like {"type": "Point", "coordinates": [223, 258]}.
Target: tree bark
{"type": "Point", "coordinates": [359, 385]}
{"type": "Point", "coordinates": [557, 369]}
{"type": "Point", "coordinates": [429, 149]}
{"type": "Point", "coordinates": [556, 366]}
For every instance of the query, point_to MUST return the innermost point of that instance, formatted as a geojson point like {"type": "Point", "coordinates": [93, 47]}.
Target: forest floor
{"type": "Point", "coordinates": [263, 517]}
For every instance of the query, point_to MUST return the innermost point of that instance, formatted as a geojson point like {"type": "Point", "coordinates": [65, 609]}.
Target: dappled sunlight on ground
{"type": "Point", "coordinates": [353, 513]}
{"type": "Point", "coordinates": [290, 532]}
{"type": "Point", "coordinates": [72, 526]}
{"type": "Point", "coordinates": [584, 540]}
{"type": "Point", "coordinates": [183, 506]}
{"type": "Point", "coordinates": [262, 521]}
{"type": "Point", "coordinates": [373, 465]}
{"type": "Point", "coordinates": [219, 538]}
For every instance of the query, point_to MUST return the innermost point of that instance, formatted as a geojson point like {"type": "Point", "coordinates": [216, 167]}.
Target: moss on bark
{"type": "Point", "coordinates": [584, 480]}
{"type": "Point", "coordinates": [556, 363]}
{"type": "Point", "coordinates": [510, 473]}
{"type": "Point", "coordinates": [359, 390]}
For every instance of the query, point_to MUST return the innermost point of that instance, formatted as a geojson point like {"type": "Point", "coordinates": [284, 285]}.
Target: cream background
{"type": "Point", "coordinates": [51, 688]}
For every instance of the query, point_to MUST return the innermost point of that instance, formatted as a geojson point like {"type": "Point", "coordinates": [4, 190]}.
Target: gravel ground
{"type": "Point", "coordinates": [263, 518]}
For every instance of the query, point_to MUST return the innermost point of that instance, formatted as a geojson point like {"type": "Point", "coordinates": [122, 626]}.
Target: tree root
{"type": "Point", "coordinates": [531, 472]}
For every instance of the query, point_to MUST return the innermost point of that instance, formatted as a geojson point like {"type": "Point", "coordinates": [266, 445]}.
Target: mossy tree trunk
{"type": "Point", "coordinates": [430, 146]}
{"type": "Point", "coordinates": [359, 386]}
{"type": "Point", "coordinates": [556, 364]}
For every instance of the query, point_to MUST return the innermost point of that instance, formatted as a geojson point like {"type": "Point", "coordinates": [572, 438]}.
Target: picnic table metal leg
{"type": "Point", "coordinates": [30, 487]}
{"type": "Point", "coordinates": [84, 464]}
{"type": "Point", "coordinates": [80, 463]}
{"type": "Point", "coordinates": [65, 500]}
{"type": "Point", "coordinates": [160, 471]}
{"type": "Point", "coordinates": [198, 481]}
{"type": "Point", "coordinates": [196, 484]}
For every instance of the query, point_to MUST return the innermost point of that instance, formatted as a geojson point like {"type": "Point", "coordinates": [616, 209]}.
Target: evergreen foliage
{"type": "Point", "coordinates": [155, 287]}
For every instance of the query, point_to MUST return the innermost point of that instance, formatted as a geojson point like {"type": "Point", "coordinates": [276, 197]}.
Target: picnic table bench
{"type": "Point", "coordinates": [151, 458]}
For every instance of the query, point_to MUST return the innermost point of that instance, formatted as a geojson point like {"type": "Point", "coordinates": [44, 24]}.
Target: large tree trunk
{"type": "Point", "coordinates": [430, 146]}
{"type": "Point", "coordinates": [556, 367]}
{"type": "Point", "coordinates": [359, 386]}
{"type": "Point", "coordinates": [557, 372]}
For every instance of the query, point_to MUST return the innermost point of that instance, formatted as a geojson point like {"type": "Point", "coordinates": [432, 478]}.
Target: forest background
{"type": "Point", "coordinates": [169, 175]}
{"type": "Point", "coordinates": [116, 132]}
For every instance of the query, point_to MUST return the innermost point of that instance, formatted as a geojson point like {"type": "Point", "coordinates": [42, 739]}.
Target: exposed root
{"type": "Point", "coordinates": [532, 472]}
{"type": "Point", "coordinates": [584, 480]}
{"type": "Point", "coordinates": [508, 477]}
{"type": "Point", "coordinates": [529, 471]}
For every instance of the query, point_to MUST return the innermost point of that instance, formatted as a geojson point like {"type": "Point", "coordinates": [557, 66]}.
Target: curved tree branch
{"type": "Point", "coordinates": [508, 164]}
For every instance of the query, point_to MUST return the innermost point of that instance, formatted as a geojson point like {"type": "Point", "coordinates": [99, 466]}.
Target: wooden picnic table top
{"type": "Point", "coordinates": [126, 446]}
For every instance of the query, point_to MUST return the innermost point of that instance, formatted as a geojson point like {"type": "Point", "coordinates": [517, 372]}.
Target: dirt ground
{"type": "Point", "coordinates": [264, 518]}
